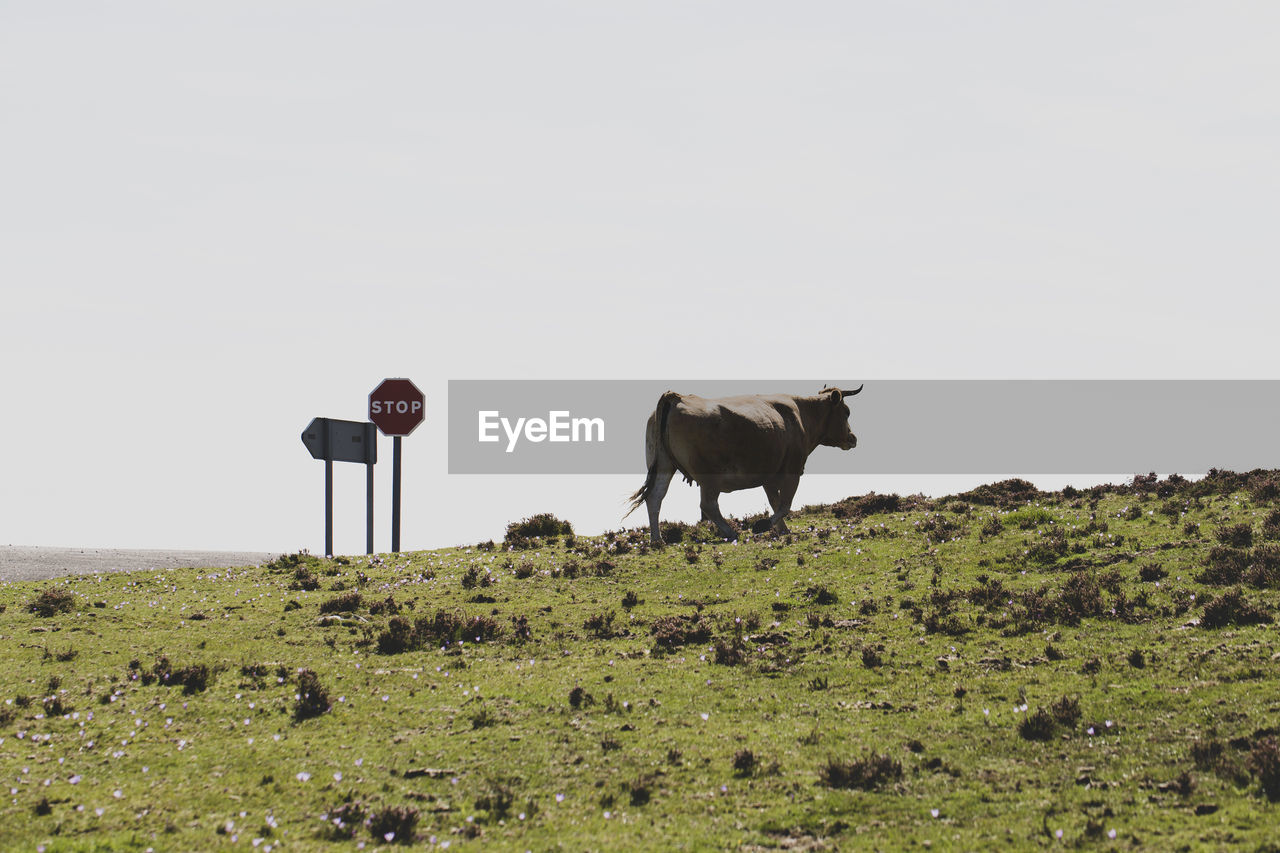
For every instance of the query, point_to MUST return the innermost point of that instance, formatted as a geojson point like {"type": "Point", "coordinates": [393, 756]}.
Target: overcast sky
{"type": "Point", "coordinates": [220, 220]}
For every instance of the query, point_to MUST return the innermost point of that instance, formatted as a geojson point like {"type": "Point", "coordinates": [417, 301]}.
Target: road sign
{"type": "Point", "coordinates": [397, 407]}
{"type": "Point", "coordinates": [341, 441]}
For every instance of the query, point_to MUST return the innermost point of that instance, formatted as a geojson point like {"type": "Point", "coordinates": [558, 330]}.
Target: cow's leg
{"type": "Point", "coordinates": [653, 499]}
{"type": "Point", "coordinates": [765, 524]}
{"type": "Point", "coordinates": [771, 492]}
{"type": "Point", "coordinates": [711, 509]}
{"type": "Point", "coordinates": [786, 490]}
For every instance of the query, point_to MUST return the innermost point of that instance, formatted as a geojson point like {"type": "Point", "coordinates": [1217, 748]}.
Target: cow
{"type": "Point", "coordinates": [734, 443]}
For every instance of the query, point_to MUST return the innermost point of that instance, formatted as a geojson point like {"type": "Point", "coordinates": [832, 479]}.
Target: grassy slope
{"type": "Point", "coordinates": [482, 742]}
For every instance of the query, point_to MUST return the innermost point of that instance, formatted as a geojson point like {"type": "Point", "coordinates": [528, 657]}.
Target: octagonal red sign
{"type": "Point", "coordinates": [396, 406]}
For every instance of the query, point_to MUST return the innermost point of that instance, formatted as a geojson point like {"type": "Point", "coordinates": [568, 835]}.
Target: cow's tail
{"type": "Point", "coordinates": [665, 402]}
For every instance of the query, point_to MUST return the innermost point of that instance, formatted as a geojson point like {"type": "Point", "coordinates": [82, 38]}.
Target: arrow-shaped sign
{"type": "Point", "coordinates": [341, 441]}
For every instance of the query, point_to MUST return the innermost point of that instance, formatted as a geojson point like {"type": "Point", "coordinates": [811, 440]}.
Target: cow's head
{"type": "Point", "coordinates": [837, 432]}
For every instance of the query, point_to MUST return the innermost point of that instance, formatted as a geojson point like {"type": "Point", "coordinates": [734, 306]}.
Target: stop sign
{"type": "Point", "coordinates": [396, 406]}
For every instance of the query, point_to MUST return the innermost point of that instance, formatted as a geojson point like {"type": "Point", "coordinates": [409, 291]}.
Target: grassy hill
{"type": "Point", "coordinates": [1002, 668]}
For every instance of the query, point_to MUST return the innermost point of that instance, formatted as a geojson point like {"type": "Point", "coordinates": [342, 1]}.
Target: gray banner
{"type": "Point", "coordinates": [903, 426]}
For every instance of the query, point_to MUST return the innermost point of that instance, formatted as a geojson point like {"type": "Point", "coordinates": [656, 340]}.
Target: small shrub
{"type": "Point", "coordinates": [630, 600]}
{"type": "Point", "coordinates": [484, 718]}
{"type": "Point", "coordinates": [821, 595]}
{"type": "Point", "coordinates": [288, 562]}
{"type": "Point", "coordinates": [394, 823]}
{"type": "Point", "coordinates": [192, 679]}
{"type": "Point", "coordinates": [52, 601]}
{"type": "Point", "coordinates": [868, 773]}
{"type": "Point", "coordinates": [304, 579]}
{"type": "Point", "coordinates": [1137, 659]}
{"type": "Point", "coordinates": [388, 606]}
{"type": "Point", "coordinates": [345, 603]}
{"type": "Point", "coordinates": [744, 762]}
{"type": "Point", "coordinates": [640, 790]}
{"type": "Point", "coordinates": [1232, 608]}
{"type": "Point", "coordinates": [871, 657]}
{"type": "Point", "coordinates": [398, 637]}
{"type": "Point", "coordinates": [1271, 526]}
{"type": "Point", "coordinates": [1037, 726]}
{"type": "Point", "coordinates": [1235, 535]}
{"type": "Point", "coordinates": [730, 652]}
{"type": "Point", "coordinates": [673, 532]}
{"type": "Point", "coordinates": [869, 504]}
{"type": "Point", "coordinates": [1081, 597]}
{"type": "Point", "coordinates": [1206, 753]}
{"type": "Point", "coordinates": [670, 632]}
{"type": "Point", "coordinates": [1066, 711]}
{"type": "Point", "coordinates": [1152, 573]}
{"type": "Point", "coordinates": [1226, 566]}
{"type": "Point", "coordinates": [579, 697]}
{"type": "Point", "coordinates": [600, 625]}
{"type": "Point", "coordinates": [312, 697]}
{"type": "Point", "coordinates": [345, 820]}
{"type": "Point", "coordinates": [1264, 762]}
{"type": "Point", "coordinates": [1264, 567]}
{"type": "Point", "coordinates": [541, 526]}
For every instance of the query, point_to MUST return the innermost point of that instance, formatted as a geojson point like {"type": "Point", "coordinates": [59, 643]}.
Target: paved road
{"type": "Point", "coordinates": [29, 563]}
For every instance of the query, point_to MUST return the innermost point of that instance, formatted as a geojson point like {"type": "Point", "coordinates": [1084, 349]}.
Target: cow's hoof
{"type": "Point", "coordinates": [760, 526]}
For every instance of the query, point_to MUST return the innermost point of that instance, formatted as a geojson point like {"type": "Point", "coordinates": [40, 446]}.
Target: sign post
{"type": "Point", "coordinates": [396, 407]}
{"type": "Point", "coordinates": [343, 441]}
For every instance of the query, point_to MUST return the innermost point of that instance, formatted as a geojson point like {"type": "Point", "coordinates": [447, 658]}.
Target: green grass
{"type": "Point", "coordinates": [894, 672]}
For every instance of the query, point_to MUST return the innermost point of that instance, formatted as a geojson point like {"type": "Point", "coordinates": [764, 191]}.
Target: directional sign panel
{"type": "Point", "coordinates": [341, 441]}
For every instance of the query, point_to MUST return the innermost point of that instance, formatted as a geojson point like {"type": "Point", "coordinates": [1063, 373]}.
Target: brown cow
{"type": "Point", "coordinates": [735, 443]}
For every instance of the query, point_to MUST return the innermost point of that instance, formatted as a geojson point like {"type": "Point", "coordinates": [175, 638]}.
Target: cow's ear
{"type": "Point", "coordinates": [836, 395]}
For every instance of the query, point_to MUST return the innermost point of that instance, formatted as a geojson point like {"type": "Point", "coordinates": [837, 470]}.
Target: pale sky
{"type": "Point", "coordinates": [220, 220]}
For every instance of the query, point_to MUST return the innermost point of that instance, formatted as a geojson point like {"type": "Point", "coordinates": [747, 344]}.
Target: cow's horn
{"type": "Point", "coordinates": [851, 393]}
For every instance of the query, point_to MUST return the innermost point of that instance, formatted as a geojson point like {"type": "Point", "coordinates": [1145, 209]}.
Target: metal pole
{"type": "Point", "coordinates": [395, 495]}
{"type": "Point", "coordinates": [328, 507]}
{"type": "Point", "coordinates": [368, 508]}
